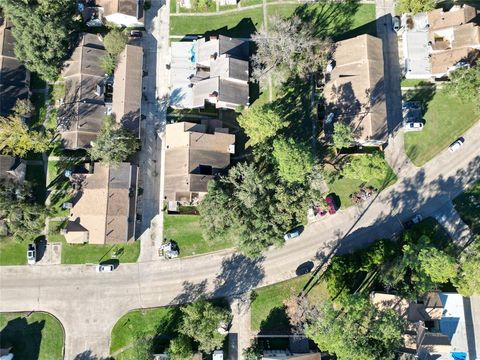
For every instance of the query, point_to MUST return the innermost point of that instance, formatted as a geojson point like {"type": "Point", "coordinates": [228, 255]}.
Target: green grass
{"type": "Point", "coordinates": [36, 176]}
{"type": "Point", "coordinates": [186, 231]}
{"type": "Point", "coordinates": [468, 206]}
{"type": "Point", "coordinates": [38, 336]}
{"type": "Point", "coordinates": [267, 309]}
{"type": "Point", "coordinates": [173, 6]}
{"type": "Point", "coordinates": [12, 252]}
{"type": "Point", "coordinates": [38, 101]}
{"type": "Point", "coordinates": [211, 7]}
{"type": "Point", "coordinates": [244, 3]}
{"type": "Point", "coordinates": [414, 82]}
{"type": "Point", "coordinates": [446, 119]}
{"type": "Point", "coordinates": [143, 323]}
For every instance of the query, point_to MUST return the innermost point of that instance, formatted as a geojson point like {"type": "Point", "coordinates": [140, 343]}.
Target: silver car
{"type": "Point", "coordinates": [31, 254]}
{"type": "Point", "coordinates": [413, 126]}
{"type": "Point", "coordinates": [105, 268]}
{"type": "Point", "coordinates": [291, 234]}
{"type": "Point", "coordinates": [456, 145]}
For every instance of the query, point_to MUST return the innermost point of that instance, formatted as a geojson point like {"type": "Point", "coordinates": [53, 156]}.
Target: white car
{"type": "Point", "coordinates": [105, 268]}
{"type": "Point", "coordinates": [413, 126]}
{"type": "Point", "coordinates": [31, 254]}
{"type": "Point", "coordinates": [291, 234]}
{"type": "Point", "coordinates": [456, 145]}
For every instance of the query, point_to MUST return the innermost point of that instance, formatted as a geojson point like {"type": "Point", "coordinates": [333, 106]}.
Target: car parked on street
{"type": "Point", "coordinates": [136, 34]}
{"type": "Point", "coordinates": [292, 234]}
{"type": "Point", "coordinates": [413, 126]}
{"type": "Point", "coordinates": [105, 268]}
{"type": "Point", "coordinates": [414, 220]}
{"type": "Point", "coordinates": [31, 254]}
{"type": "Point", "coordinates": [396, 23]}
{"type": "Point", "coordinates": [456, 145]}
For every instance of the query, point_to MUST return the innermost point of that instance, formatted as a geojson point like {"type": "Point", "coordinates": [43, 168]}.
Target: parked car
{"type": "Point", "coordinates": [31, 254]}
{"type": "Point", "coordinates": [332, 207]}
{"type": "Point", "coordinates": [413, 126]}
{"type": "Point", "coordinates": [411, 105]}
{"type": "Point", "coordinates": [105, 268]}
{"type": "Point", "coordinates": [414, 220]}
{"type": "Point", "coordinates": [396, 23]}
{"type": "Point", "coordinates": [457, 144]}
{"type": "Point", "coordinates": [292, 234]}
{"type": "Point", "coordinates": [136, 34]}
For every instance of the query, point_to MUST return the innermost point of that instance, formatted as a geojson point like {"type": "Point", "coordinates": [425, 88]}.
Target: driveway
{"type": "Point", "coordinates": [89, 304]}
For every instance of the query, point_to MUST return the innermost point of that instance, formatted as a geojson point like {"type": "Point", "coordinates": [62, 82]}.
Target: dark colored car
{"type": "Point", "coordinates": [396, 23]}
{"type": "Point", "coordinates": [414, 220]}
{"type": "Point", "coordinates": [332, 207]}
{"type": "Point", "coordinates": [136, 34]}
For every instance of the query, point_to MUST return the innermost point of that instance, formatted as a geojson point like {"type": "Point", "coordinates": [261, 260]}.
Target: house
{"type": "Point", "coordinates": [127, 88]}
{"type": "Point", "coordinates": [12, 168]}
{"type": "Point", "coordinates": [354, 89]}
{"type": "Point", "coordinates": [125, 13]}
{"type": "Point", "coordinates": [213, 70]}
{"type": "Point", "coordinates": [195, 154]}
{"type": "Point", "coordinates": [439, 42]}
{"type": "Point", "coordinates": [14, 77]}
{"type": "Point", "coordinates": [436, 323]}
{"type": "Point", "coordinates": [88, 94]}
{"type": "Point", "coordinates": [103, 206]}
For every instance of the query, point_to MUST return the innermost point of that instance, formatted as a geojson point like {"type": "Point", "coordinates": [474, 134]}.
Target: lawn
{"type": "Point", "coordinates": [92, 254]}
{"type": "Point", "coordinates": [38, 101]}
{"type": "Point", "coordinates": [12, 252]}
{"type": "Point", "coordinates": [468, 205]}
{"type": "Point", "coordinates": [446, 119]}
{"type": "Point", "coordinates": [185, 230]}
{"type": "Point", "coordinates": [414, 82]}
{"type": "Point", "coordinates": [161, 322]}
{"type": "Point", "coordinates": [267, 309]}
{"type": "Point", "coordinates": [35, 336]}
{"type": "Point", "coordinates": [36, 176]}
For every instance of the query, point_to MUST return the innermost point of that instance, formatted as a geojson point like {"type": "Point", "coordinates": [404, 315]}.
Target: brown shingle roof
{"type": "Point", "coordinates": [355, 88]}
{"type": "Point", "coordinates": [457, 15]}
{"type": "Point", "coordinates": [127, 7]}
{"type": "Point", "coordinates": [466, 35]}
{"type": "Point", "coordinates": [442, 61]}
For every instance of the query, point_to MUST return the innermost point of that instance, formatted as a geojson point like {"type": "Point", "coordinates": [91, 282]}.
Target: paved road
{"type": "Point", "coordinates": [88, 304]}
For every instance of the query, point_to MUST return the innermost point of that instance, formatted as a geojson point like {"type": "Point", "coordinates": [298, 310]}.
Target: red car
{"type": "Point", "coordinates": [332, 209]}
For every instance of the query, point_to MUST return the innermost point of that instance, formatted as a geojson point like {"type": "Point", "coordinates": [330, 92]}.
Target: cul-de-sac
{"type": "Point", "coordinates": [239, 179]}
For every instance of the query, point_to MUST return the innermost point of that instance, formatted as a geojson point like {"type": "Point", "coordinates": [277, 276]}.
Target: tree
{"type": "Point", "coordinates": [180, 348]}
{"type": "Point", "coordinates": [113, 144]}
{"type": "Point", "coordinates": [465, 84]}
{"type": "Point", "coordinates": [294, 159]}
{"type": "Point", "coordinates": [108, 64]}
{"type": "Point", "coordinates": [357, 331]}
{"type": "Point", "coordinates": [41, 30]}
{"type": "Point", "coordinates": [201, 321]}
{"type": "Point", "coordinates": [467, 281]}
{"type": "Point", "coordinates": [342, 135]}
{"type": "Point", "coordinates": [16, 139]}
{"type": "Point", "coordinates": [261, 123]}
{"type": "Point", "coordinates": [288, 47]}
{"type": "Point", "coordinates": [23, 108]}
{"type": "Point", "coordinates": [252, 352]}
{"type": "Point", "coordinates": [415, 6]}
{"type": "Point", "coordinates": [367, 167]}
{"type": "Point", "coordinates": [438, 265]}
{"type": "Point", "coordinates": [115, 42]}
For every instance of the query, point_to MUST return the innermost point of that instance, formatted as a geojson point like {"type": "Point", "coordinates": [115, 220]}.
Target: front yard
{"type": "Point", "coordinates": [446, 119]}
{"type": "Point", "coordinates": [33, 336]}
{"type": "Point", "coordinates": [468, 205]}
{"type": "Point", "coordinates": [185, 230]}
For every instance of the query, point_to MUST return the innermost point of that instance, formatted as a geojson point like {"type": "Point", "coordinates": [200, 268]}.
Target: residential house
{"type": "Point", "coordinates": [436, 324]}
{"type": "Point", "coordinates": [90, 94]}
{"type": "Point", "coordinates": [12, 168]}
{"type": "Point", "coordinates": [438, 42]}
{"type": "Point", "coordinates": [126, 13]}
{"type": "Point", "coordinates": [103, 206]}
{"type": "Point", "coordinates": [195, 154]}
{"type": "Point", "coordinates": [14, 77]}
{"type": "Point", "coordinates": [213, 70]}
{"type": "Point", "coordinates": [354, 89]}
{"type": "Point", "coordinates": [127, 88]}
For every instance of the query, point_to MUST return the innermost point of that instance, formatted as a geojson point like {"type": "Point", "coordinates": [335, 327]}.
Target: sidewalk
{"type": "Point", "coordinates": [240, 335]}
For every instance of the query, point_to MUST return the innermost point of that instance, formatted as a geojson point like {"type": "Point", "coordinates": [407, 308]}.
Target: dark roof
{"type": "Point", "coordinates": [233, 92]}
{"type": "Point", "coordinates": [236, 48]}
{"type": "Point", "coordinates": [14, 77]}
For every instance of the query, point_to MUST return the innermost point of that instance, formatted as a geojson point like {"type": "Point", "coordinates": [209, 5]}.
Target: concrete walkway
{"type": "Point", "coordinates": [240, 332]}
{"type": "Point", "coordinates": [448, 217]}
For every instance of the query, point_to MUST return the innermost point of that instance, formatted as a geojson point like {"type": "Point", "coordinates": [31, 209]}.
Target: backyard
{"type": "Point", "coordinates": [468, 205]}
{"type": "Point", "coordinates": [446, 118]}
{"type": "Point", "coordinates": [185, 230]}
{"type": "Point", "coordinates": [268, 309]}
{"type": "Point", "coordinates": [33, 336]}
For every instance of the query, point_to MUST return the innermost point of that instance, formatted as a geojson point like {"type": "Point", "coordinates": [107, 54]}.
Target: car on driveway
{"type": "Point", "coordinates": [136, 34]}
{"type": "Point", "coordinates": [396, 23]}
{"type": "Point", "coordinates": [332, 207]}
{"type": "Point", "coordinates": [413, 126]}
{"type": "Point", "coordinates": [105, 268]}
{"type": "Point", "coordinates": [31, 254]}
{"type": "Point", "coordinates": [456, 145]}
{"type": "Point", "coordinates": [414, 220]}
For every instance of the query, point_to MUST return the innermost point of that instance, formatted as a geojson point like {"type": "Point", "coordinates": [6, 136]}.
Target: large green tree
{"type": "Point", "coordinates": [261, 123]}
{"type": "Point", "coordinates": [41, 29]}
{"type": "Point", "coordinates": [415, 6]}
{"type": "Point", "coordinates": [294, 159]}
{"type": "Point", "coordinates": [366, 167]}
{"type": "Point", "coordinates": [16, 139]}
{"type": "Point", "coordinates": [437, 264]}
{"type": "Point", "coordinates": [201, 321]}
{"type": "Point", "coordinates": [115, 41]}
{"type": "Point", "coordinates": [467, 281]}
{"type": "Point", "coordinates": [342, 135]}
{"type": "Point", "coordinates": [465, 84]}
{"type": "Point", "coordinates": [180, 348]}
{"type": "Point", "coordinates": [114, 144]}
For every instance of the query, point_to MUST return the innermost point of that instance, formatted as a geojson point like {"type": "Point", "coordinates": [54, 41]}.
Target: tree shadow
{"type": "Point", "coordinates": [244, 29]}
{"type": "Point", "coordinates": [190, 293]}
{"type": "Point", "coordinates": [276, 323]}
{"type": "Point", "coordinates": [89, 355]}
{"type": "Point", "coordinates": [423, 92]}
{"type": "Point", "coordinates": [24, 338]}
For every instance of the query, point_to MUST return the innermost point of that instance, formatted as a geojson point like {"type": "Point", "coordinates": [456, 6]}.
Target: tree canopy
{"type": "Point", "coordinates": [114, 144]}
{"type": "Point", "coordinates": [342, 135]}
{"type": "Point", "coordinates": [16, 139]}
{"type": "Point", "coordinates": [41, 29]}
{"type": "Point", "coordinates": [465, 84]}
{"type": "Point", "coordinates": [467, 281]}
{"type": "Point", "coordinates": [415, 6]}
{"type": "Point", "coordinates": [261, 123]}
{"type": "Point", "coordinates": [437, 264]}
{"type": "Point", "coordinates": [115, 41]}
{"type": "Point", "coordinates": [180, 348]}
{"type": "Point", "coordinates": [294, 159]}
{"type": "Point", "coordinates": [366, 167]}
